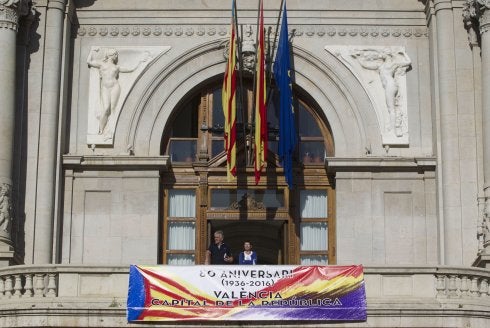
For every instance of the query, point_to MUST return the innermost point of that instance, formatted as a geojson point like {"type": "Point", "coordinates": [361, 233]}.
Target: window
{"type": "Point", "coordinates": [199, 123]}
{"type": "Point", "coordinates": [312, 144]}
{"type": "Point", "coordinates": [182, 146]}
{"type": "Point", "coordinates": [238, 198]}
{"type": "Point", "coordinates": [181, 227]}
{"type": "Point", "coordinates": [314, 227]}
{"type": "Point", "coordinates": [294, 226]}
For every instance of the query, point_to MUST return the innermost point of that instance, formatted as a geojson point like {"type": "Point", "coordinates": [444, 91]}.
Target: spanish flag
{"type": "Point", "coordinates": [229, 102]}
{"type": "Point", "coordinates": [260, 105]}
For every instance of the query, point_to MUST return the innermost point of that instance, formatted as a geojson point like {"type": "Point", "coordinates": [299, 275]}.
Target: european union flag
{"type": "Point", "coordinates": [287, 127]}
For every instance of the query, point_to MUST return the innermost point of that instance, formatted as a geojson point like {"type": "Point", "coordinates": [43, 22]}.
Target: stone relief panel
{"type": "Point", "coordinates": [113, 71]}
{"type": "Point", "coordinates": [382, 72]}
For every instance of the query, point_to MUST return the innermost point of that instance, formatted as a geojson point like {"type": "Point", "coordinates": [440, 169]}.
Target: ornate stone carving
{"type": "Point", "coordinates": [390, 65]}
{"type": "Point", "coordinates": [248, 49]}
{"type": "Point", "coordinates": [484, 227]}
{"type": "Point", "coordinates": [484, 3]}
{"type": "Point", "coordinates": [247, 202]}
{"type": "Point", "coordinates": [476, 19]}
{"type": "Point", "coordinates": [6, 210]}
{"type": "Point", "coordinates": [11, 10]}
{"type": "Point", "coordinates": [382, 72]}
{"type": "Point", "coordinates": [221, 31]}
{"type": "Point", "coordinates": [110, 83]}
{"type": "Point", "coordinates": [471, 22]}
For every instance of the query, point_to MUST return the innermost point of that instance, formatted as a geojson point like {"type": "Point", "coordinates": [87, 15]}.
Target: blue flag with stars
{"type": "Point", "coordinates": [287, 127]}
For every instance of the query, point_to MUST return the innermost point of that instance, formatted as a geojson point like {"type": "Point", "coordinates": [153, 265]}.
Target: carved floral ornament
{"type": "Point", "coordinates": [222, 31]}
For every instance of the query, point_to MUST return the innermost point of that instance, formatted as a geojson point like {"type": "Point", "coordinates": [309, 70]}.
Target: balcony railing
{"type": "Point", "coordinates": [60, 291]}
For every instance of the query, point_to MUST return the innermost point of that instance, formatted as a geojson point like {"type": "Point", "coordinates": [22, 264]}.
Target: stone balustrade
{"type": "Point", "coordinates": [462, 283]}
{"type": "Point", "coordinates": [96, 296]}
{"type": "Point", "coordinates": [28, 285]}
{"type": "Point", "coordinates": [54, 281]}
{"type": "Point", "coordinates": [68, 280]}
{"type": "Point", "coordinates": [429, 282]}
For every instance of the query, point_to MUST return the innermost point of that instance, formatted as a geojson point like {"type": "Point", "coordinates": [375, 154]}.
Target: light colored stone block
{"type": "Point", "coordinates": [397, 285]}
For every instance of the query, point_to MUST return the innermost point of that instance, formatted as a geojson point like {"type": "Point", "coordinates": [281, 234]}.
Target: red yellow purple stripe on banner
{"type": "Point", "coordinates": [176, 293]}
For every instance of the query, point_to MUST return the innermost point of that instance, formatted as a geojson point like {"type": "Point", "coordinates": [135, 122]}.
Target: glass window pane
{"type": "Point", "coordinates": [308, 126]}
{"type": "Point", "coordinates": [182, 150]}
{"type": "Point", "coordinates": [312, 152]}
{"type": "Point", "coordinates": [314, 236]}
{"type": "Point", "coordinates": [181, 203]}
{"type": "Point", "coordinates": [218, 116]}
{"type": "Point", "coordinates": [273, 112]}
{"type": "Point", "coordinates": [181, 259]}
{"type": "Point", "coordinates": [185, 124]}
{"type": "Point", "coordinates": [181, 236]}
{"type": "Point", "coordinates": [313, 260]}
{"type": "Point", "coordinates": [313, 203]}
{"type": "Point", "coordinates": [217, 147]}
{"type": "Point", "coordinates": [232, 198]}
{"type": "Point", "coordinates": [273, 146]}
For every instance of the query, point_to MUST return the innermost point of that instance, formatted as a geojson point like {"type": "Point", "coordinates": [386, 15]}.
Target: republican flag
{"type": "Point", "coordinates": [229, 102]}
{"type": "Point", "coordinates": [287, 127]}
{"type": "Point", "coordinates": [260, 106]}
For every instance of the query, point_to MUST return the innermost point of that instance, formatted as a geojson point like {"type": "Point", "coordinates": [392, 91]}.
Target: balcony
{"type": "Point", "coordinates": [95, 296]}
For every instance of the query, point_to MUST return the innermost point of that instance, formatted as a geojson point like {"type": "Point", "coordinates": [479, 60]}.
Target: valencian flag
{"type": "Point", "coordinates": [260, 98]}
{"type": "Point", "coordinates": [229, 101]}
{"type": "Point", "coordinates": [287, 128]}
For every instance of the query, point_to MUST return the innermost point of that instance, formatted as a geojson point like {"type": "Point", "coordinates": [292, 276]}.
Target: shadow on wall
{"type": "Point", "coordinates": [84, 3]}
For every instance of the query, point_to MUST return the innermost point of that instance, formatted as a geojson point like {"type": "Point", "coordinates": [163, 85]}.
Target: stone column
{"type": "Point", "coordinates": [450, 157]}
{"type": "Point", "coordinates": [477, 18]}
{"type": "Point", "coordinates": [48, 136]}
{"type": "Point", "coordinates": [10, 10]}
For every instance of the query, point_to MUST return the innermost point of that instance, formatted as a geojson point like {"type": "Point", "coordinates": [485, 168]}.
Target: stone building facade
{"type": "Point", "coordinates": [111, 152]}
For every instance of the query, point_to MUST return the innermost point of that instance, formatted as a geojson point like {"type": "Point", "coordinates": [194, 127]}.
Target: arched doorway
{"type": "Point", "coordinates": [286, 226]}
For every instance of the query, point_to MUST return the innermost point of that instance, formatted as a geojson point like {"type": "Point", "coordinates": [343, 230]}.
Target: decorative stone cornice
{"type": "Point", "coordinates": [320, 31]}
{"type": "Point", "coordinates": [128, 162]}
{"type": "Point", "coordinates": [374, 163]}
{"type": "Point", "coordinates": [11, 10]}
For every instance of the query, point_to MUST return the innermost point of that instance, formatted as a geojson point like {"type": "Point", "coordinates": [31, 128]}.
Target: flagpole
{"type": "Point", "coordinates": [275, 39]}
{"type": "Point", "coordinates": [240, 76]}
{"type": "Point", "coordinates": [255, 80]}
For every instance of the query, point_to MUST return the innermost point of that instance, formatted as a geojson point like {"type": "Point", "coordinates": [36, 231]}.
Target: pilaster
{"type": "Point", "coordinates": [450, 154]}
{"type": "Point", "coordinates": [48, 138]}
